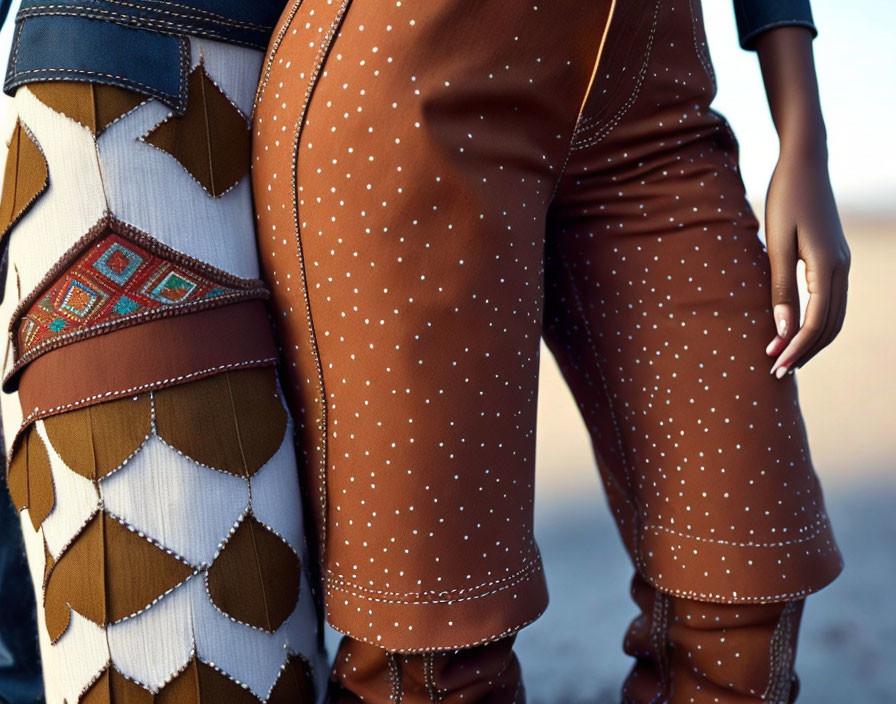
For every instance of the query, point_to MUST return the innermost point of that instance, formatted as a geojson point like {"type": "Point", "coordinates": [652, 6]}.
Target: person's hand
{"type": "Point", "coordinates": [802, 223]}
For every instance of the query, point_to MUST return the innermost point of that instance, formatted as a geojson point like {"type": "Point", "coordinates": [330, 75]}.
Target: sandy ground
{"type": "Point", "coordinates": [572, 655]}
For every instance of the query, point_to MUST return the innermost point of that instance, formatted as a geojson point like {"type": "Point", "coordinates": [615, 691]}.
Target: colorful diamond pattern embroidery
{"type": "Point", "coordinates": [118, 263]}
{"type": "Point", "coordinates": [174, 288]}
{"type": "Point", "coordinates": [112, 280]}
{"type": "Point", "coordinates": [79, 299]}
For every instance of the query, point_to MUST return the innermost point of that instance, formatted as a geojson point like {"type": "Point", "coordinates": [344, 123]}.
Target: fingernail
{"type": "Point", "coordinates": [772, 345]}
{"type": "Point", "coordinates": [782, 327]}
{"type": "Point", "coordinates": [781, 371]}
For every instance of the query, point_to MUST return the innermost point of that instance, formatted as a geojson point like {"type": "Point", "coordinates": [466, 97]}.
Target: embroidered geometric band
{"type": "Point", "coordinates": [121, 278]}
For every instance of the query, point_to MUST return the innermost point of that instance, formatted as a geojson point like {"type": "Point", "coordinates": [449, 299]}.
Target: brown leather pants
{"type": "Point", "coordinates": [442, 186]}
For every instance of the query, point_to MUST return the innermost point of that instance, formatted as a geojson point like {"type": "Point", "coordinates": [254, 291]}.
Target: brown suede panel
{"type": "Point", "coordinates": [295, 684]}
{"type": "Point", "coordinates": [256, 577]}
{"type": "Point", "coordinates": [30, 479]}
{"type": "Point", "coordinates": [17, 474]}
{"type": "Point", "coordinates": [248, 425]}
{"type": "Point", "coordinates": [143, 357]}
{"type": "Point", "coordinates": [199, 683]}
{"type": "Point", "coordinates": [41, 493]}
{"type": "Point", "coordinates": [210, 140]}
{"type": "Point", "coordinates": [48, 563]}
{"type": "Point", "coordinates": [113, 688]}
{"type": "Point", "coordinates": [94, 105]}
{"type": "Point", "coordinates": [95, 440]}
{"type": "Point", "coordinates": [25, 178]}
{"type": "Point", "coordinates": [107, 573]}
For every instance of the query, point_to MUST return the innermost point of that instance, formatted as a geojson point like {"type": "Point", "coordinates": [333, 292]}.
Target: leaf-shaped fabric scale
{"type": "Point", "coordinates": [25, 178]}
{"type": "Point", "coordinates": [94, 105]}
{"type": "Point", "coordinates": [95, 440]}
{"type": "Point", "coordinates": [242, 417]}
{"type": "Point", "coordinates": [256, 577]}
{"type": "Point", "coordinates": [211, 138]}
{"type": "Point", "coordinates": [30, 478]}
{"type": "Point", "coordinates": [199, 683]}
{"type": "Point", "coordinates": [113, 688]}
{"type": "Point", "coordinates": [107, 572]}
{"type": "Point", "coordinates": [295, 684]}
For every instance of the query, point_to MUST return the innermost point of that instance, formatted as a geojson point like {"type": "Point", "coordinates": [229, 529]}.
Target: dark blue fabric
{"type": "Point", "coordinates": [247, 22]}
{"type": "Point", "coordinates": [20, 674]}
{"type": "Point", "coordinates": [76, 48]}
{"type": "Point", "coordinates": [757, 16]}
{"type": "Point", "coordinates": [4, 10]}
{"type": "Point", "coordinates": [135, 44]}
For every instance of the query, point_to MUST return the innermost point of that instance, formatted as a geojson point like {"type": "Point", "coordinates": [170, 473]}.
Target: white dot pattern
{"type": "Point", "coordinates": [425, 187]}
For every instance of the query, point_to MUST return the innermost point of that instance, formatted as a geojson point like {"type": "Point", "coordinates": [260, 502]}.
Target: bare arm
{"type": "Point", "coordinates": [801, 216]}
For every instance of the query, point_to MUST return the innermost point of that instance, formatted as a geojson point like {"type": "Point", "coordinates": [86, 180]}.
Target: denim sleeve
{"type": "Point", "coordinates": [756, 16]}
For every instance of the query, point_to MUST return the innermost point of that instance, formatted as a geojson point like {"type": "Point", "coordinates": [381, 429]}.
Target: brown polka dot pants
{"type": "Point", "coordinates": [441, 186]}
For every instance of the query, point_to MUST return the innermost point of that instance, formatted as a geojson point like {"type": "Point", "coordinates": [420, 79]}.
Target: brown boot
{"type": "Point", "coordinates": [692, 652]}
{"type": "Point", "coordinates": [482, 674]}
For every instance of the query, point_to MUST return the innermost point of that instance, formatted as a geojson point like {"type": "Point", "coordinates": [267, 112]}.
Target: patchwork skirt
{"type": "Point", "coordinates": [150, 451]}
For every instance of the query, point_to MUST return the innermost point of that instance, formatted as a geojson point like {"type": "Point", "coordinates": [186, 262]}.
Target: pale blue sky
{"type": "Point", "coordinates": [856, 57]}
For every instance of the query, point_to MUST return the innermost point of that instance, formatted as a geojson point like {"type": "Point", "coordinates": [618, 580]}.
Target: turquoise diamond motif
{"type": "Point", "coordinates": [125, 305]}
{"type": "Point", "coordinates": [118, 263]}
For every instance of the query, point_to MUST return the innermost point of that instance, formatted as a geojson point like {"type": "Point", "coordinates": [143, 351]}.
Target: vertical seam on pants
{"type": "Point", "coordinates": [702, 52]}
{"type": "Point", "coordinates": [600, 51]}
{"type": "Point", "coordinates": [429, 678]}
{"type": "Point", "coordinates": [394, 677]}
{"type": "Point", "coordinates": [780, 677]}
{"type": "Point", "coordinates": [319, 60]}
{"type": "Point", "coordinates": [659, 631]}
{"type": "Point", "coordinates": [605, 127]}
{"type": "Point", "coordinates": [619, 442]}
{"type": "Point", "coordinates": [269, 59]}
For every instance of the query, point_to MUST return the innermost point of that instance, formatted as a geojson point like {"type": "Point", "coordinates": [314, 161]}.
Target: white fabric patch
{"type": "Point", "coordinates": [152, 647]}
{"type": "Point", "coordinates": [76, 500]}
{"type": "Point", "coordinates": [78, 657]}
{"type": "Point", "coordinates": [149, 189]}
{"type": "Point", "coordinates": [186, 507]}
{"type": "Point", "coordinates": [234, 68]}
{"type": "Point", "coordinates": [276, 497]}
{"type": "Point", "coordinates": [71, 205]}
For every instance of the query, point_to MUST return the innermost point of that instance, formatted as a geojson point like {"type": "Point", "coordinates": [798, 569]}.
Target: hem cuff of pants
{"type": "Point", "coordinates": [741, 573]}
{"type": "Point", "coordinates": [450, 624]}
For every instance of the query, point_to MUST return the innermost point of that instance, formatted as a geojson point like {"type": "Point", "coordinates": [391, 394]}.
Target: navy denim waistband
{"type": "Point", "coordinates": [136, 44]}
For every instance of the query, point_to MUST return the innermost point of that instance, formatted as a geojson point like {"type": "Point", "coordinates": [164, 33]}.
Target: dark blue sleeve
{"type": "Point", "coordinates": [756, 16]}
{"type": "Point", "coordinates": [4, 11]}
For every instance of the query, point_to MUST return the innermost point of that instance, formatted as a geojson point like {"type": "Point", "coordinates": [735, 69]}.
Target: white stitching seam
{"type": "Point", "coordinates": [194, 14]}
{"type": "Point", "coordinates": [342, 582]}
{"type": "Point", "coordinates": [535, 569]}
{"type": "Point", "coordinates": [319, 60]}
{"type": "Point", "coordinates": [609, 125]}
{"type": "Point", "coordinates": [170, 28]}
{"type": "Point", "coordinates": [600, 51]}
{"type": "Point", "coordinates": [819, 523]}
